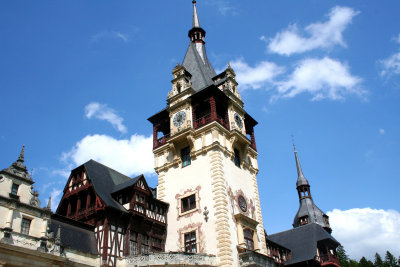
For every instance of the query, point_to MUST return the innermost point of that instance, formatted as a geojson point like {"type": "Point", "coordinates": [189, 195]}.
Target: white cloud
{"type": "Point", "coordinates": [391, 65]}
{"type": "Point", "coordinates": [224, 7]}
{"type": "Point", "coordinates": [319, 35]}
{"type": "Point", "coordinates": [55, 198]}
{"type": "Point", "coordinates": [129, 156]}
{"type": "Point", "coordinates": [322, 78]}
{"type": "Point", "coordinates": [255, 77]}
{"type": "Point", "coordinates": [102, 112]}
{"type": "Point", "coordinates": [397, 39]}
{"type": "Point", "coordinates": [110, 35]}
{"type": "Point", "coordinates": [363, 232]}
{"type": "Point", "coordinates": [382, 131]}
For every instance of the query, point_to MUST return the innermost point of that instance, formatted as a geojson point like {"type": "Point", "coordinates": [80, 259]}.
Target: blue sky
{"type": "Point", "coordinates": [80, 78]}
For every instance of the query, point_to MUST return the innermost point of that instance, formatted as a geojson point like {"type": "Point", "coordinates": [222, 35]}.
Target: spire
{"type": "Point", "coordinates": [308, 212]}
{"type": "Point", "coordinates": [18, 169]}
{"type": "Point", "coordinates": [21, 155]}
{"type": "Point", "coordinates": [195, 60]}
{"type": "Point", "coordinates": [49, 204]}
{"type": "Point", "coordinates": [196, 22]}
{"type": "Point", "coordinates": [301, 180]}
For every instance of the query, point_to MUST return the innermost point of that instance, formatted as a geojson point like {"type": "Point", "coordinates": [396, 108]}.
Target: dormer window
{"type": "Point", "coordinates": [14, 188]}
{"type": "Point", "coordinates": [304, 220]}
{"type": "Point", "coordinates": [178, 87]}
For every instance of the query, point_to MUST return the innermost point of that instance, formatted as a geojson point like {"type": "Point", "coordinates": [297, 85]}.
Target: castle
{"type": "Point", "coordinates": [205, 211]}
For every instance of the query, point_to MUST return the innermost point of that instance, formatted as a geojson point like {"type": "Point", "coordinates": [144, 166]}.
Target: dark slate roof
{"type": "Point", "coordinates": [202, 72]}
{"type": "Point", "coordinates": [302, 241]}
{"type": "Point", "coordinates": [73, 234]}
{"type": "Point", "coordinates": [105, 180]}
{"type": "Point", "coordinates": [308, 208]}
{"type": "Point", "coordinates": [126, 184]}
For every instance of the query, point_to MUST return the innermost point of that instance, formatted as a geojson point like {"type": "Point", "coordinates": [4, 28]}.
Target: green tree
{"type": "Point", "coordinates": [365, 263]}
{"type": "Point", "coordinates": [353, 263]}
{"type": "Point", "coordinates": [378, 260]}
{"type": "Point", "coordinates": [342, 256]}
{"type": "Point", "coordinates": [390, 260]}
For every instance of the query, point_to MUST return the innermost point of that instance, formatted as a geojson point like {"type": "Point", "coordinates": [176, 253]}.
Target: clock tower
{"type": "Point", "coordinates": [206, 160]}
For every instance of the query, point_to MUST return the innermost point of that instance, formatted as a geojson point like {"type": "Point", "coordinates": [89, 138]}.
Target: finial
{"type": "Point", "coordinates": [49, 204]}
{"type": "Point", "coordinates": [58, 234]}
{"type": "Point", "coordinates": [21, 155]}
{"type": "Point", "coordinates": [196, 22]}
{"type": "Point", "coordinates": [229, 65]}
{"type": "Point", "coordinates": [294, 146]}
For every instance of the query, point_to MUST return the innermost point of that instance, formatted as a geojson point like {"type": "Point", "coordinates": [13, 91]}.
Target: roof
{"type": "Point", "coordinates": [302, 241]}
{"type": "Point", "coordinates": [105, 180]}
{"type": "Point", "coordinates": [126, 184]}
{"type": "Point", "coordinates": [73, 234]}
{"type": "Point", "coordinates": [198, 66]}
{"type": "Point", "coordinates": [308, 208]}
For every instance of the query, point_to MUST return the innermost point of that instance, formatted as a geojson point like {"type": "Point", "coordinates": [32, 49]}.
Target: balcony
{"type": "Point", "coordinates": [207, 119]}
{"type": "Point", "coordinates": [329, 259]}
{"type": "Point", "coordinates": [140, 209]}
{"type": "Point", "coordinates": [172, 258]}
{"type": "Point", "coordinates": [160, 141]}
{"type": "Point", "coordinates": [254, 259]}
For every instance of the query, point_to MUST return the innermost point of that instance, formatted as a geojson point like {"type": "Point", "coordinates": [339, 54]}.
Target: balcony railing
{"type": "Point", "coordinates": [160, 141]}
{"type": "Point", "coordinates": [140, 208]}
{"type": "Point", "coordinates": [329, 259]}
{"type": "Point", "coordinates": [172, 258]}
{"type": "Point", "coordinates": [207, 119]}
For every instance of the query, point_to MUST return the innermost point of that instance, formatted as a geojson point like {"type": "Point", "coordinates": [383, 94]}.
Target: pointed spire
{"type": "Point", "coordinates": [21, 155]}
{"type": "Point", "coordinates": [196, 22]}
{"type": "Point", "coordinates": [301, 180]}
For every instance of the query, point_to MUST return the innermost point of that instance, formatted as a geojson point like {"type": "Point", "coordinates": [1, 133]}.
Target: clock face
{"type": "Point", "coordinates": [238, 120]}
{"type": "Point", "coordinates": [242, 203]}
{"type": "Point", "coordinates": [179, 118]}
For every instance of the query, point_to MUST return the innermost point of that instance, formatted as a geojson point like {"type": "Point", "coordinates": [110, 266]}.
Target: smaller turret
{"type": "Point", "coordinates": [308, 212]}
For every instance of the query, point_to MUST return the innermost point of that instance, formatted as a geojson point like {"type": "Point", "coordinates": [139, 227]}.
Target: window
{"type": "Point", "coordinates": [145, 245]}
{"type": "Point", "coordinates": [190, 242]}
{"type": "Point", "coordinates": [188, 203]}
{"type": "Point", "coordinates": [236, 159]}
{"type": "Point", "coordinates": [248, 239]}
{"type": "Point", "coordinates": [133, 245]}
{"type": "Point", "coordinates": [14, 189]}
{"type": "Point", "coordinates": [185, 156]}
{"type": "Point", "coordinates": [156, 244]}
{"type": "Point", "coordinates": [304, 220]}
{"type": "Point", "coordinates": [25, 225]}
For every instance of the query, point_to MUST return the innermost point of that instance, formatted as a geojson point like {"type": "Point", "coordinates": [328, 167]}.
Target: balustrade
{"type": "Point", "coordinates": [329, 259]}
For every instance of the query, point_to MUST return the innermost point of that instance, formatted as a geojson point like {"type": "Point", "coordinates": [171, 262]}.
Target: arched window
{"type": "Point", "coordinates": [178, 87]}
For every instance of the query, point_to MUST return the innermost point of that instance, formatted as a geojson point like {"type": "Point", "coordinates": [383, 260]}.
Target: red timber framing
{"type": "Point", "coordinates": [80, 202]}
{"type": "Point", "coordinates": [208, 105]}
{"type": "Point", "coordinates": [138, 227]}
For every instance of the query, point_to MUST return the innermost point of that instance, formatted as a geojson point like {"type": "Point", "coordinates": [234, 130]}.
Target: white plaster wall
{"type": "Point", "coordinates": [5, 186]}
{"type": "Point", "coordinates": [24, 189]}
{"type": "Point", "coordinates": [3, 216]}
{"type": "Point", "coordinates": [37, 224]}
{"type": "Point", "coordinates": [177, 181]}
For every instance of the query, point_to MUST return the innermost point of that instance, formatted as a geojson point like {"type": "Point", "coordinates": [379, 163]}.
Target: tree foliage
{"type": "Point", "coordinates": [389, 261]}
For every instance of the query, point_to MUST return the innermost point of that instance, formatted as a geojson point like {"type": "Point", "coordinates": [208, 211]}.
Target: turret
{"type": "Point", "coordinates": [308, 212]}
